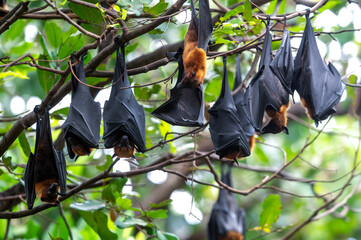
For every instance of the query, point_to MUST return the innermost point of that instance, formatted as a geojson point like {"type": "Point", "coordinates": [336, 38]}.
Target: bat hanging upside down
{"type": "Point", "coordinates": [194, 59]}
{"type": "Point", "coordinates": [124, 148]}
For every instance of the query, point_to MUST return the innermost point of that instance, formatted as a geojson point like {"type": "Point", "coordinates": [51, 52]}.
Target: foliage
{"type": "Point", "coordinates": [137, 206]}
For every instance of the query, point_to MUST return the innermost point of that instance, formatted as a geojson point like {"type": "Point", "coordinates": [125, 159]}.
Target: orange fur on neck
{"type": "Point", "coordinates": [41, 189]}
{"type": "Point", "coordinates": [81, 150]}
{"type": "Point", "coordinates": [308, 107]}
{"type": "Point", "coordinates": [231, 235]}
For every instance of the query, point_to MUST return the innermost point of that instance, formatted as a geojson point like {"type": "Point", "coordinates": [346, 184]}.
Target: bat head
{"type": "Point", "coordinates": [232, 235]}
{"type": "Point", "coordinates": [278, 120]}
{"type": "Point", "coordinates": [79, 147]}
{"type": "Point", "coordinates": [124, 148]}
{"type": "Point", "coordinates": [48, 191]}
{"type": "Point", "coordinates": [195, 67]}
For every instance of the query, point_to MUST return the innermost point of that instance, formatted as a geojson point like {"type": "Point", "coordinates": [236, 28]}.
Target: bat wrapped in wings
{"type": "Point", "coordinates": [195, 46]}
{"type": "Point", "coordinates": [227, 135]}
{"type": "Point", "coordinates": [318, 84]}
{"type": "Point", "coordinates": [266, 93]}
{"type": "Point", "coordinates": [45, 172]}
{"type": "Point", "coordinates": [239, 101]}
{"type": "Point", "coordinates": [124, 120]}
{"type": "Point", "coordinates": [227, 221]}
{"type": "Point", "coordinates": [82, 126]}
{"type": "Point", "coordinates": [186, 105]}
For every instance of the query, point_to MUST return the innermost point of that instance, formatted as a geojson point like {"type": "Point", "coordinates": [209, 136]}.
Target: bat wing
{"type": "Point", "coordinates": [240, 102]}
{"type": "Point", "coordinates": [61, 168]}
{"type": "Point", "coordinates": [205, 26]}
{"type": "Point", "coordinates": [265, 89]}
{"type": "Point", "coordinates": [29, 182]}
{"type": "Point", "coordinates": [282, 63]}
{"type": "Point", "coordinates": [316, 82]}
{"type": "Point", "coordinates": [224, 125]}
{"type": "Point", "coordinates": [186, 105]}
{"type": "Point", "coordinates": [84, 114]}
{"type": "Point", "coordinates": [122, 113]}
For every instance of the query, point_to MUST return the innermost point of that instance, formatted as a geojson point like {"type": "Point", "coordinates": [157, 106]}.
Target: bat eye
{"type": "Point", "coordinates": [42, 199]}
{"type": "Point", "coordinates": [193, 73]}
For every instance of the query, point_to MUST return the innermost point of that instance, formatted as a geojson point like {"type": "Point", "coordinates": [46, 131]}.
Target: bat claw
{"type": "Point", "coordinates": [235, 160]}
{"type": "Point", "coordinates": [285, 129]}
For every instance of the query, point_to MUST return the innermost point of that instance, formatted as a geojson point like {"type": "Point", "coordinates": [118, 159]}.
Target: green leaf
{"type": "Point", "coordinates": [89, 205]}
{"type": "Point", "coordinates": [161, 204]}
{"type": "Point", "coordinates": [92, 15]}
{"type": "Point", "coordinates": [155, 31]}
{"type": "Point", "coordinates": [71, 45]}
{"type": "Point", "coordinates": [271, 211]}
{"type": "Point", "coordinates": [129, 222]}
{"type": "Point", "coordinates": [53, 33]}
{"type": "Point", "coordinates": [45, 78]}
{"type": "Point", "coordinates": [170, 236]}
{"type": "Point", "coordinates": [106, 165]}
{"type": "Point", "coordinates": [24, 143]}
{"type": "Point", "coordinates": [159, 213]}
{"type": "Point", "coordinates": [158, 8]}
{"type": "Point", "coordinates": [230, 14]}
{"type": "Point", "coordinates": [102, 221]}
{"type": "Point", "coordinates": [61, 113]}
{"type": "Point", "coordinates": [8, 75]}
{"type": "Point", "coordinates": [160, 235]}
{"type": "Point", "coordinates": [247, 12]}
{"type": "Point", "coordinates": [8, 163]}
{"type": "Point", "coordinates": [124, 203]}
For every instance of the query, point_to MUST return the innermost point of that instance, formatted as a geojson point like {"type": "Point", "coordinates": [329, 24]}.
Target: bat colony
{"type": "Point", "coordinates": [233, 120]}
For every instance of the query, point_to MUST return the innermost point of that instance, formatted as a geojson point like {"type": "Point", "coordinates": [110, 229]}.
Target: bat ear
{"type": "Point", "coordinates": [285, 129]}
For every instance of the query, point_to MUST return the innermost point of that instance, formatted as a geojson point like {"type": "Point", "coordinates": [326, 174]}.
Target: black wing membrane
{"type": "Point", "coordinates": [227, 220]}
{"type": "Point", "coordinates": [46, 164]}
{"type": "Point", "coordinates": [318, 84]}
{"type": "Point", "coordinates": [122, 113]}
{"type": "Point", "coordinates": [204, 26]}
{"type": "Point", "coordinates": [265, 90]}
{"type": "Point", "coordinates": [282, 64]}
{"type": "Point", "coordinates": [186, 105]}
{"type": "Point", "coordinates": [83, 121]}
{"type": "Point", "coordinates": [239, 101]}
{"type": "Point", "coordinates": [224, 125]}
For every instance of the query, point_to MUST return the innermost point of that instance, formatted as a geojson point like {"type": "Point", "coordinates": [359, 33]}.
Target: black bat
{"type": "Point", "coordinates": [282, 64]}
{"type": "Point", "coordinates": [186, 105]}
{"type": "Point", "coordinates": [195, 46]}
{"type": "Point", "coordinates": [266, 93]}
{"type": "Point", "coordinates": [227, 221]}
{"type": "Point", "coordinates": [82, 126]}
{"type": "Point", "coordinates": [124, 120]}
{"type": "Point", "coordinates": [226, 132]}
{"type": "Point", "coordinates": [318, 84]}
{"type": "Point", "coordinates": [45, 172]}
{"type": "Point", "coordinates": [239, 101]}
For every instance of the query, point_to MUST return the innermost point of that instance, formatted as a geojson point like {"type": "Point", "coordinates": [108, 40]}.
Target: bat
{"type": "Point", "coordinates": [227, 221]}
{"type": "Point", "coordinates": [227, 135]}
{"type": "Point", "coordinates": [124, 119]}
{"type": "Point", "coordinates": [45, 172]}
{"type": "Point", "coordinates": [282, 64]}
{"type": "Point", "coordinates": [318, 84]}
{"type": "Point", "coordinates": [195, 46]}
{"type": "Point", "coordinates": [186, 105]}
{"type": "Point", "coordinates": [82, 126]}
{"type": "Point", "coordinates": [265, 93]}
{"type": "Point", "coordinates": [239, 101]}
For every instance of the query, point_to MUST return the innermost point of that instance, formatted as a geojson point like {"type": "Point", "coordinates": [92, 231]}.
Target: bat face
{"type": "Point", "coordinates": [79, 148]}
{"type": "Point", "coordinates": [278, 121]}
{"type": "Point", "coordinates": [48, 190]}
{"type": "Point", "coordinates": [124, 148]}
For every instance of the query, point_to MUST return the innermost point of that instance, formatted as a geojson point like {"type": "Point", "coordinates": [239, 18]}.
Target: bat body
{"type": "Point", "coordinates": [82, 126]}
{"type": "Point", "coordinates": [227, 135]}
{"type": "Point", "coordinates": [227, 221]}
{"type": "Point", "coordinates": [195, 46]}
{"type": "Point", "coordinates": [240, 102]}
{"type": "Point", "coordinates": [45, 173]}
{"type": "Point", "coordinates": [123, 116]}
{"type": "Point", "coordinates": [124, 148]}
{"type": "Point", "coordinates": [266, 93]}
{"type": "Point", "coordinates": [318, 84]}
{"type": "Point", "coordinates": [186, 105]}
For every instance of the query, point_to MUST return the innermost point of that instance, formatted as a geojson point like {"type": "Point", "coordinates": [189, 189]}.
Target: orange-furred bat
{"type": "Point", "coordinates": [227, 221]}
{"type": "Point", "coordinates": [195, 46]}
{"type": "Point", "coordinates": [124, 148]}
{"type": "Point", "coordinates": [318, 84]}
{"type": "Point", "coordinates": [45, 173]}
{"type": "Point", "coordinates": [82, 126]}
{"type": "Point", "coordinates": [267, 93]}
